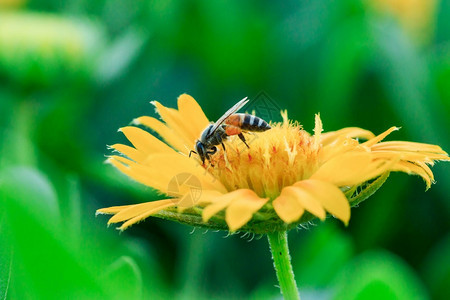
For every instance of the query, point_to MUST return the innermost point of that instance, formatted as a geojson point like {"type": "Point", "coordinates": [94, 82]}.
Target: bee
{"type": "Point", "coordinates": [231, 123]}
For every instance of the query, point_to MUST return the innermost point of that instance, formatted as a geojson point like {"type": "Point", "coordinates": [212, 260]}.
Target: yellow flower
{"type": "Point", "coordinates": [285, 178]}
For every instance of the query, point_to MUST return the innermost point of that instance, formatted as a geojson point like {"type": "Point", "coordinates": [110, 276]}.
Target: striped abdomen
{"type": "Point", "coordinates": [247, 122]}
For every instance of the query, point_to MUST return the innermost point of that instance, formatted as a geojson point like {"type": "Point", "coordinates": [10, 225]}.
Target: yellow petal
{"type": "Point", "coordinates": [344, 169]}
{"type": "Point", "coordinates": [192, 113]}
{"type": "Point", "coordinates": [219, 204]}
{"type": "Point", "coordinates": [173, 120]}
{"type": "Point", "coordinates": [318, 128]}
{"type": "Point", "coordinates": [412, 168]}
{"type": "Point", "coordinates": [223, 201]}
{"type": "Point", "coordinates": [377, 168]}
{"type": "Point", "coordinates": [426, 169]}
{"type": "Point", "coordinates": [350, 132]}
{"type": "Point", "coordinates": [136, 172]}
{"type": "Point", "coordinates": [305, 199]}
{"type": "Point", "coordinates": [288, 209]}
{"type": "Point", "coordinates": [130, 152]}
{"type": "Point", "coordinates": [339, 146]}
{"type": "Point", "coordinates": [144, 141]}
{"type": "Point", "coordinates": [209, 196]}
{"type": "Point", "coordinates": [159, 169]}
{"type": "Point", "coordinates": [191, 196]}
{"type": "Point", "coordinates": [408, 146]}
{"type": "Point", "coordinates": [132, 211]}
{"type": "Point", "coordinates": [111, 210]}
{"type": "Point", "coordinates": [409, 156]}
{"type": "Point", "coordinates": [206, 197]}
{"type": "Point", "coordinates": [167, 166]}
{"type": "Point", "coordinates": [144, 215]}
{"type": "Point", "coordinates": [179, 142]}
{"type": "Point", "coordinates": [187, 200]}
{"type": "Point", "coordinates": [380, 137]}
{"type": "Point", "coordinates": [241, 209]}
{"type": "Point", "coordinates": [331, 197]}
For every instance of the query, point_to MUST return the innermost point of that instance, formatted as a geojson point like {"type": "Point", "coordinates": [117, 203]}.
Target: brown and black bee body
{"type": "Point", "coordinates": [247, 122]}
{"type": "Point", "coordinates": [227, 125]}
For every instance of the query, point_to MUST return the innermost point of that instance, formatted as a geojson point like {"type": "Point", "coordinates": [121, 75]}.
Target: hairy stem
{"type": "Point", "coordinates": [282, 263]}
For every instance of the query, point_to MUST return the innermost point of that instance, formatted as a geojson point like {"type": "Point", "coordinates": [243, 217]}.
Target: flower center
{"type": "Point", "coordinates": [276, 158]}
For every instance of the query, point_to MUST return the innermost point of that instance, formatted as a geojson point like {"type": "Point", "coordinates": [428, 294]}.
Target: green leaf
{"type": "Point", "coordinates": [47, 262]}
{"type": "Point", "coordinates": [30, 195]}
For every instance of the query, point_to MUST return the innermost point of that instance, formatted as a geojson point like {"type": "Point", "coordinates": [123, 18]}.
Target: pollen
{"type": "Point", "coordinates": [275, 158]}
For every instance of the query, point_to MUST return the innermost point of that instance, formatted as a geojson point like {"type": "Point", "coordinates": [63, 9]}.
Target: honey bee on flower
{"type": "Point", "coordinates": [288, 176]}
{"type": "Point", "coordinates": [228, 125]}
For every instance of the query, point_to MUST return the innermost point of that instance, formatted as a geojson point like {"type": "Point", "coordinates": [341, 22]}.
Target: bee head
{"type": "Point", "coordinates": [201, 150]}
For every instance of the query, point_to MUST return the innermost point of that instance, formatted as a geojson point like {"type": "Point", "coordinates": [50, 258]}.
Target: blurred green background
{"type": "Point", "coordinates": [73, 72]}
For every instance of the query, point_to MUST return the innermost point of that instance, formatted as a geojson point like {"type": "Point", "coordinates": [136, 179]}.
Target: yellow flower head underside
{"type": "Point", "coordinates": [284, 177]}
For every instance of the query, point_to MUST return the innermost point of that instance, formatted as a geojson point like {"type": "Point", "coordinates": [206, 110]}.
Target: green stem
{"type": "Point", "coordinates": [282, 263]}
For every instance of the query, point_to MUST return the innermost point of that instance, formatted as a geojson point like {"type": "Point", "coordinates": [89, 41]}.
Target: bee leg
{"type": "Point", "coordinates": [192, 151]}
{"type": "Point", "coordinates": [225, 157]}
{"type": "Point", "coordinates": [212, 151]}
{"type": "Point", "coordinates": [208, 158]}
{"type": "Point", "coordinates": [241, 136]}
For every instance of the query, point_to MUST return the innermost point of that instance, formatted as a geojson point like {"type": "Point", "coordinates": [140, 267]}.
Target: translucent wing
{"type": "Point", "coordinates": [231, 111]}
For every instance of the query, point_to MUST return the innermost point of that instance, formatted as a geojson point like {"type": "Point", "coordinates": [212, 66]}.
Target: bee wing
{"type": "Point", "coordinates": [229, 112]}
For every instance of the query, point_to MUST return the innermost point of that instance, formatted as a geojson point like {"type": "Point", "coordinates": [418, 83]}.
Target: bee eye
{"type": "Point", "coordinates": [199, 148]}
